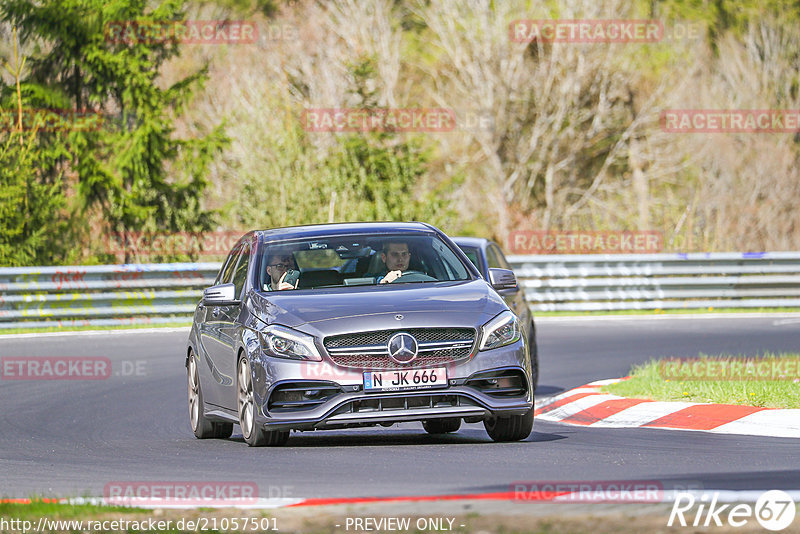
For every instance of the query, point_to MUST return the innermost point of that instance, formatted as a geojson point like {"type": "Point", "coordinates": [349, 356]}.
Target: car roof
{"type": "Point", "coordinates": [478, 242]}
{"type": "Point", "coordinates": [334, 229]}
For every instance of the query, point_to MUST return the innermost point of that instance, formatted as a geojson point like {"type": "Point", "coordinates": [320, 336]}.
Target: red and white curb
{"type": "Point", "coordinates": [588, 406]}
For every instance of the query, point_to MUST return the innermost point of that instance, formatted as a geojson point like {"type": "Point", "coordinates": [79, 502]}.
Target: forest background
{"type": "Point", "coordinates": [208, 138]}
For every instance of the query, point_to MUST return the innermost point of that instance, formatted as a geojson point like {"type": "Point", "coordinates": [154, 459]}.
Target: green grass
{"type": "Point", "coordinates": [176, 324]}
{"type": "Point", "coordinates": [654, 380]}
{"type": "Point", "coordinates": [680, 311]}
{"type": "Point", "coordinates": [42, 508]}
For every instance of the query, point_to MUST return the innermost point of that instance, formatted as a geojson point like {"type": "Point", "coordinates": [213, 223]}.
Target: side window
{"type": "Point", "coordinates": [491, 258]}
{"type": "Point", "coordinates": [224, 275]}
{"type": "Point", "coordinates": [502, 263]}
{"type": "Point", "coordinates": [241, 270]}
{"type": "Point", "coordinates": [472, 254]}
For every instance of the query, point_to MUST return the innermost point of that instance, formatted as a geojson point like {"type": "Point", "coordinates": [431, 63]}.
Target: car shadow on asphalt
{"type": "Point", "coordinates": [544, 436]}
{"type": "Point", "coordinates": [398, 437]}
{"type": "Point", "coordinates": [336, 438]}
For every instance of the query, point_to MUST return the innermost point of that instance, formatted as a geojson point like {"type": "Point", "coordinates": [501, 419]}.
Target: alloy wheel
{"type": "Point", "coordinates": [194, 393]}
{"type": "Point", "coordinates": [245, 399]}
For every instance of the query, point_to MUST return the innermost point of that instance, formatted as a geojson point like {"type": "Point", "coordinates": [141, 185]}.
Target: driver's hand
{"type": "Point", "coordinates": [286, 285]}
{"type": "Point", "coordinates": [391, 276]}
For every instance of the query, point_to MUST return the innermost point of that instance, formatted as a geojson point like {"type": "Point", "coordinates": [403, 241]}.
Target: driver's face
{"type": "Point", "coordinates": [277, 265]}
{"type": "Point", "coordinates": [397, 257]}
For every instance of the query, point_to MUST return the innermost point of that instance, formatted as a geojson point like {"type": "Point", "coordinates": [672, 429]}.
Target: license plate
{"type": "Point", "coordinates": [403, 379]}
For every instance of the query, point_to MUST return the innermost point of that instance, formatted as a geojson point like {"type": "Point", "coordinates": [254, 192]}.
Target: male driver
{"type": "Point", "coordinates": [396, 257]}
{"type": "Point", "coordinates": [277, 265]}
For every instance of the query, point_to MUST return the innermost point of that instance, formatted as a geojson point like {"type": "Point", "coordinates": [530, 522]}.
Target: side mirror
{"type": "Point", "coordinates": [221, 294]}
{"type": "Point", "coordinates": [502, 279]}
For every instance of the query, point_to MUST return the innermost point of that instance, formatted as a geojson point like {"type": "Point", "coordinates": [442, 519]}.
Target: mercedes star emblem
{"type": "Point", "coordinates": [403, 348]}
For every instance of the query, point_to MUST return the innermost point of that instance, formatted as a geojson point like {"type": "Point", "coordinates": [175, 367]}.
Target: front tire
{"type": "Point", "coordinates": [441, 426]}
{"type": "Point", "coordinates": [534, 351]}
{"type": "Point", "coordinates": [254, 435]}
{"type": "Point", "coordinates": [512, 428]}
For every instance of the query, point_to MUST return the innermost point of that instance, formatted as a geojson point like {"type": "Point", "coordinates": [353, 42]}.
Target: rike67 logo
{"type": "Point", "coordinates": [774, 510]}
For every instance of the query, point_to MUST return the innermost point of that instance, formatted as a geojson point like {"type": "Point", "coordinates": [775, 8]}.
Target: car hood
{"type": "Point", "coordinates": [339, 310]}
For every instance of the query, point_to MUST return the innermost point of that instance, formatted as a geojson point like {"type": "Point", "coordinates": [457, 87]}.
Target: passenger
{"type": "Point", "coordinates": [277, 267]}
{"type": "Point", "coordinates": [396, 257]}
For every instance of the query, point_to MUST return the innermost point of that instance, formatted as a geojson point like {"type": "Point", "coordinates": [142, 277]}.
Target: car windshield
{"type": "Point", "coordinates": [360, 260]}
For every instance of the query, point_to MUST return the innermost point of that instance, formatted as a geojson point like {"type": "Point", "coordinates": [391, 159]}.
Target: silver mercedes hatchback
{"type": "Point", "coordinates": [352, 325]}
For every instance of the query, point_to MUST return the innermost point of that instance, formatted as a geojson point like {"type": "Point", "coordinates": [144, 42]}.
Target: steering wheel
{"type": "Point", "coordinates": [414, 276]}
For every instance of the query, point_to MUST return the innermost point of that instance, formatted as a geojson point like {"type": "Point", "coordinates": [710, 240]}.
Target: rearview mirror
{"type": "Point", "coordinates": [220, 294]}
{"type": "Point", "coordinates": [502, 279]}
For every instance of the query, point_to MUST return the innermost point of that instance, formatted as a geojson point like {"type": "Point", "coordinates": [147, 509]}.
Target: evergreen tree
{"type": "Point", "coordinates": [32, 227]}
{"type": "Point", "coordinates": [30, 212]}
{"type": "Point", "coordinates": [133, 171]}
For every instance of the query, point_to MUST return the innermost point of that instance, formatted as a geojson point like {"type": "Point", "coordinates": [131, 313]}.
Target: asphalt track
{"type": "Point", "coordinates": [71, 438]}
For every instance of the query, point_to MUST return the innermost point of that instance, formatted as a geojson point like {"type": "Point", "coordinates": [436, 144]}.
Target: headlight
{"type": "Point", "coordinates": [282, 342]}
{"type": "Point", "coordinates": [501, 331]}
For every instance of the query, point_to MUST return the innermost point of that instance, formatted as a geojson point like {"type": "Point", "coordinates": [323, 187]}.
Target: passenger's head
{"type": "Point", "coordinates": [396, 256]}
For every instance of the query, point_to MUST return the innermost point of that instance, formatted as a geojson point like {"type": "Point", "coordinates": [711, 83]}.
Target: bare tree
{"type": "Point", "coordinates": [570, 119]}
{"type": "Point", "coordinates": [750, 182]}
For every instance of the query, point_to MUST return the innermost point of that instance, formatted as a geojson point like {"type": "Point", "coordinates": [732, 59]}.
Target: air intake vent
{"type": "Point", "coordinates": [502, 383]}
{"type": "Point", "coordinates": [295, 396]}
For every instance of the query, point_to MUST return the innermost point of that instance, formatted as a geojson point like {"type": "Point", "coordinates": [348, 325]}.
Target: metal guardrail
{"type": "Point", "coordinates": [101, 295]}
{"type": "Point", "coordinates": [659, 281]}
{"type": "Point", "coordinates": [32, 297]}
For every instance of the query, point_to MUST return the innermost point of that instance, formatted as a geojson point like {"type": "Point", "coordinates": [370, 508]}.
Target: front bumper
{"type": "Point", "coordinates": [350, 409]}
{"type": "Point", "coordinates": [351, 406]}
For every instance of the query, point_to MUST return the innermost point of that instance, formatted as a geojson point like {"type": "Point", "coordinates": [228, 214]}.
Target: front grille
{"type": "Point", "coordinates": [381, 337]}
{"type": "Point", "coordinates": [369, 350]}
